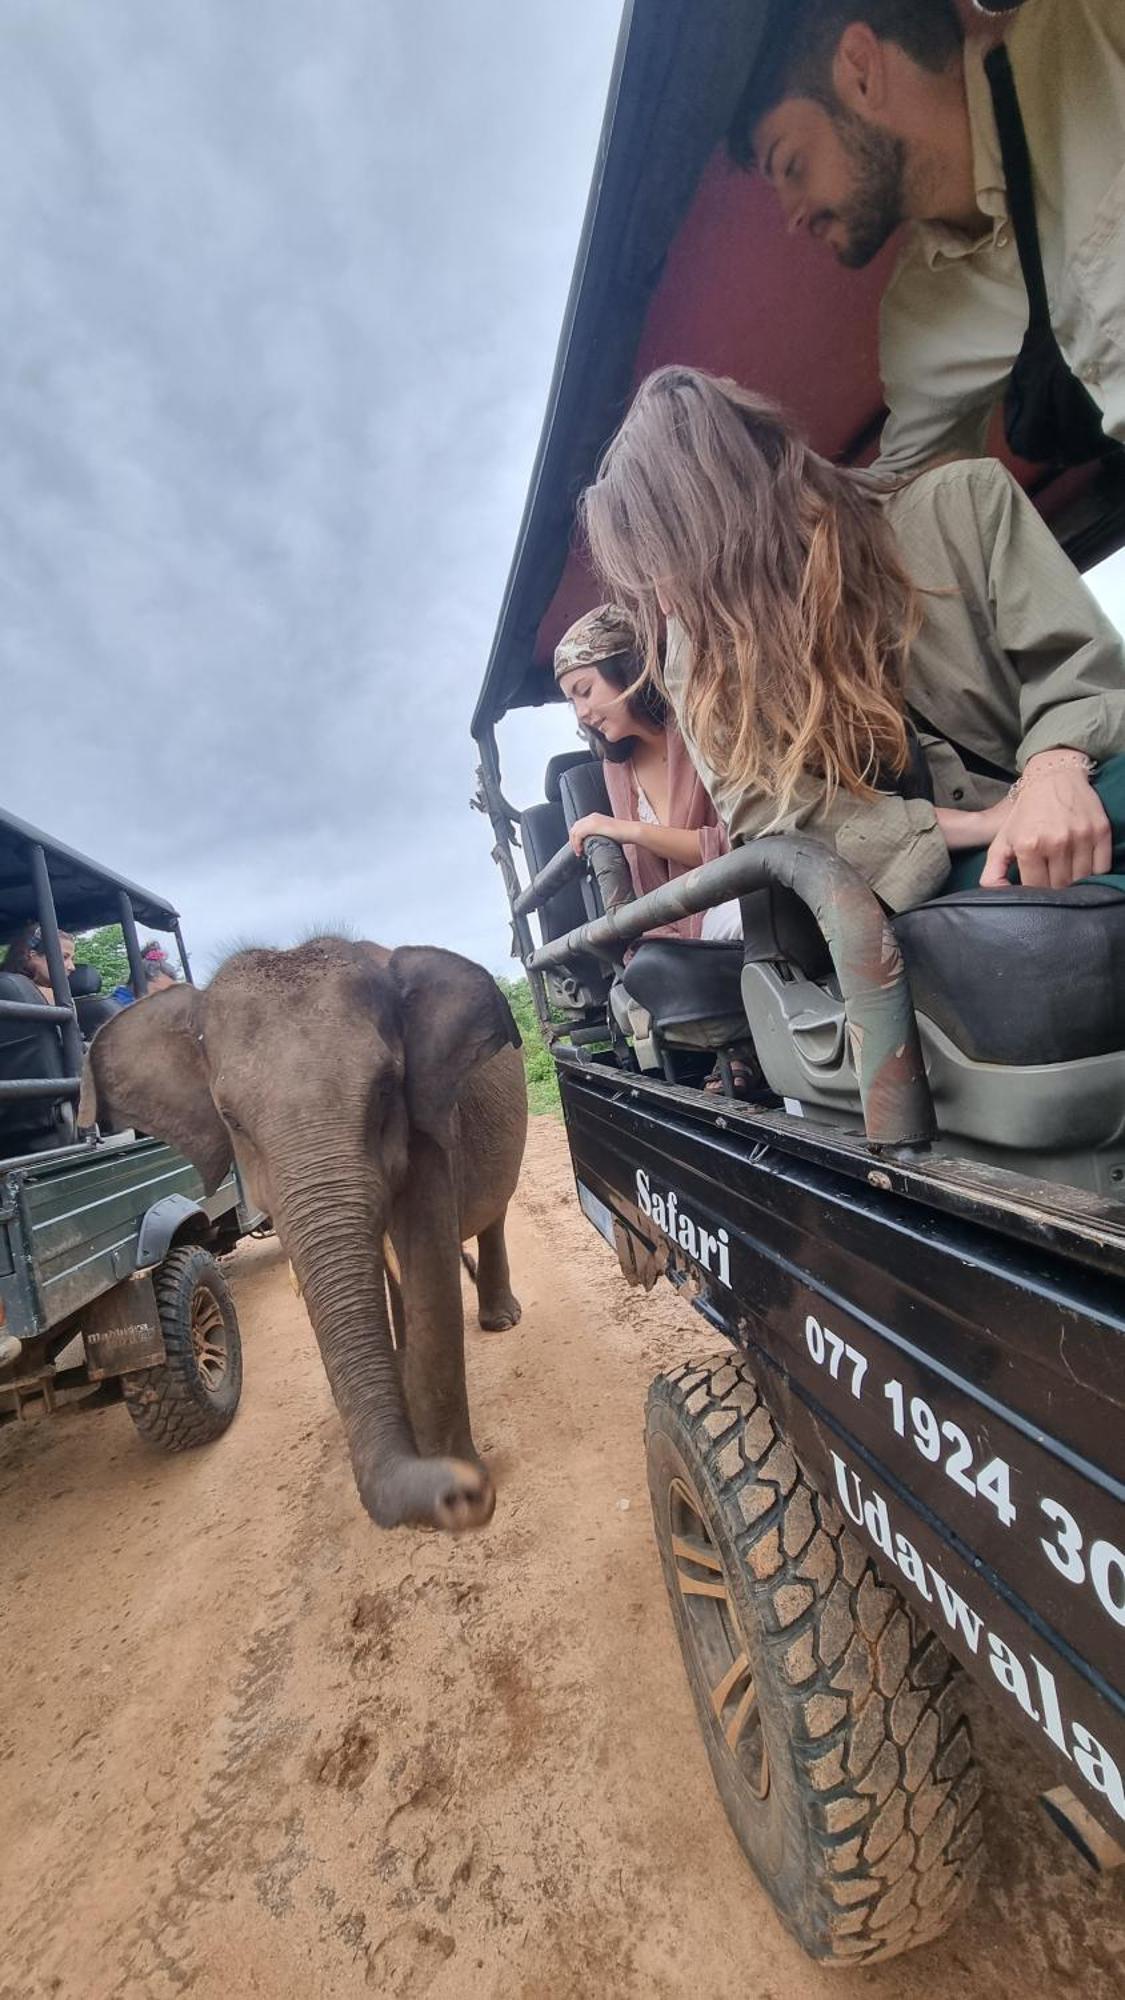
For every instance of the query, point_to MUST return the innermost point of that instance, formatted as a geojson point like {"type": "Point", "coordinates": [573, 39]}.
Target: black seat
{"type": "Point", "coordinates": [1020, 976]}
{"type": "Point", "coordinates": [28, 1049]}
{"type": "Point", "coordinates": [681, 980]}
{"type": "Point", "coordinates": [543, 831]}
{"type": "Point", "coordinates": [91, 1005]}
{"type": "Point", "coordinates": [557, 770]}
{"type": "Point", "coordinates": [582, 790]}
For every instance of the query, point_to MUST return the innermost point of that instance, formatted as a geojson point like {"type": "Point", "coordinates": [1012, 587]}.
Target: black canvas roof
{"type": "Point", "coordinates": [85, 893]}
{"type": "Point", "coordinates": [680, 68]}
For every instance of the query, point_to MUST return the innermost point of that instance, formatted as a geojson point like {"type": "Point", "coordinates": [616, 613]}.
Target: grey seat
{"type": "Point", "coordinates": [1020, 999]}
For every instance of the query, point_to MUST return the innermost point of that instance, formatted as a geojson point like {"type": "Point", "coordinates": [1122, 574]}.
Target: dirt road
{"type": "Point", "coordinates": [250, 1746]}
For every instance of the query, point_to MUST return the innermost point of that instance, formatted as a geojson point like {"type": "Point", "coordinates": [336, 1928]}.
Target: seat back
{"type": "Point", "coordinates": [91, 1005]}
{"type": "Point", "coordinates": [28, 1049]}
{"type": "Point", "coordinates": [582, 790]}
{"type": "Point", "coordinates": [543, 831]}
{"type": "Point", "coordinates": [1020, 976]}
{"type": "Point", "coordinates": [1020, 999]}
{"type": "Point", "coordinates": [584, 986]}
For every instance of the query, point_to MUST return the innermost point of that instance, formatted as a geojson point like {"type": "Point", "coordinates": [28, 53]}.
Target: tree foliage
{"type": "Point", "coordinates": [104, 948]}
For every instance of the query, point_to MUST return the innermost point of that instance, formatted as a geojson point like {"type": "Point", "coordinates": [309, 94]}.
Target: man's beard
{"type": "Point", "coordinates": [877, 205]}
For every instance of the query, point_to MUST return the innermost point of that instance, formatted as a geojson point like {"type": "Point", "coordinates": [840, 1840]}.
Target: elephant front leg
{"type": "Point", "coordinates": [427, 1242]}
{"type": "Point", "coordinates": [497, 1305]}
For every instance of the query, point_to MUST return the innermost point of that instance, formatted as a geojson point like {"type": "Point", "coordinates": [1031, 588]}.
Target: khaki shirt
{"type": "Point", "coordinates": [955, 312]}
{"type": "Point", "coordinates": [1014, 657]}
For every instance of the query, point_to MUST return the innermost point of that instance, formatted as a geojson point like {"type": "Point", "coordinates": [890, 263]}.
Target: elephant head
{"type": "Point", "coordinates": [331, 1073]}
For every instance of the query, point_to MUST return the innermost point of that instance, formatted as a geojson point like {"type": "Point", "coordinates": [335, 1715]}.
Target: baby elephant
{"type": "Point", "coordinates": [368, 1096]}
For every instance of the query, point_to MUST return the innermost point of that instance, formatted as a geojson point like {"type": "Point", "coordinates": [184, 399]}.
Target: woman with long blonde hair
{"type": "Point", "coordinates": [812, 613]}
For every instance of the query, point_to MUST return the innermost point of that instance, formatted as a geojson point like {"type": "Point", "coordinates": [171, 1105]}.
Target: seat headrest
{"type": "Point", "coordinates": [17, 986]}
{"type": "Point", "coordinates": [85, 980]}
{"type": "Point", "coordinates": [582, 790]}
{"type": "Point", "coordinates": [557, 770]}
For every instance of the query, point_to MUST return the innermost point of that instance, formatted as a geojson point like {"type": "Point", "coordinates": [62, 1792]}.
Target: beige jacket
{"type": "Point", "coordinates": [955, 311]}
{"type": "Point", "coordinates": [1014, 657]}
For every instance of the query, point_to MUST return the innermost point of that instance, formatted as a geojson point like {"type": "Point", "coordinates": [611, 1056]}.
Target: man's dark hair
{"type": "Point", "coordinates": [801, 48]}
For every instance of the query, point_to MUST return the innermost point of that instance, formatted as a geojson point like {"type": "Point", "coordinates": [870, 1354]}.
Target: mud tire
{"type": "Point", "coordinates": [189, 1399]}
{"type": "Point", "coordinates": [868, 1837]}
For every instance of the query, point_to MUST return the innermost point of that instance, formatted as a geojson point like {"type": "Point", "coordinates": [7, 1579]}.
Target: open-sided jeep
{"type": "Point", "coordinates": [905, 1462]}
{"type": "Point", "coordinates": [109, 1285]}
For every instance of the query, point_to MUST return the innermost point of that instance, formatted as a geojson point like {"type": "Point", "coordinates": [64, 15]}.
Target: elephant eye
{"type": "Point", "coordinates": [230, 1120]}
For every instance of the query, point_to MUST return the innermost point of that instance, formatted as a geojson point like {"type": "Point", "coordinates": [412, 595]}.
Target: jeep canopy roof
{"type": "Point", "coordinates": [84, 893]}
{"type": "Point", "coordinates": [685, 258]}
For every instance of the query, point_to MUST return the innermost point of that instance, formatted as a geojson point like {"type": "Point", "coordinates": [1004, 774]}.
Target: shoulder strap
{"type": "Point", "coordinates": [981, 767]}
{"type": "Point", "coordinates": [1017, 174]}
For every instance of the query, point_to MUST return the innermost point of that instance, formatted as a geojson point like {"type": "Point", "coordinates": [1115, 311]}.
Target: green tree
{"type": "Point", "coordinates": [104, 948]}
{"type": "Point", "coordinates": [542, 1084]}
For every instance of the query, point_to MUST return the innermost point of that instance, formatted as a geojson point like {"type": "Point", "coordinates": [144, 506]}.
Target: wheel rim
{"type": "Point", "coordinates": [209, 1339]}
{"type": "Point", "coordinates": [713, 1632]}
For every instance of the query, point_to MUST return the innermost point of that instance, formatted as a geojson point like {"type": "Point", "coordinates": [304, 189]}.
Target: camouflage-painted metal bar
{"type": "Point", "coordinates": [882, 1030]}
{"type": "Point", "coordinates": [563, 868]}
{"type": "Point", "coordinates": [607, 863]}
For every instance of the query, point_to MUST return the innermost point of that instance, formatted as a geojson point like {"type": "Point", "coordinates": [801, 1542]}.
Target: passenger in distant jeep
{"type": "Point", "coordinates": [813, 611]}
{"type": "Point", "coordinates": [27, 954]}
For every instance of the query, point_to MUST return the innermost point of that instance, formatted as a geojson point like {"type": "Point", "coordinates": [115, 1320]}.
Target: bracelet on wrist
{"type": "Point", "coordinates": [1070, 760]}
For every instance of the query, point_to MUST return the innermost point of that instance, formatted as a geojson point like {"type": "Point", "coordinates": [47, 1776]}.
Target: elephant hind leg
{"type": "Point", "coordinates": [497, 1305]}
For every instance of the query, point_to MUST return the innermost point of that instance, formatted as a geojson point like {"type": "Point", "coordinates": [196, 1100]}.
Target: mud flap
{"type": "Point", "coordinates": [121, 1331]}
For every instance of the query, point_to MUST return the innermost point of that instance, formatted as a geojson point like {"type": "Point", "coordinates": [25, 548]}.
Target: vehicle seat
{"type": "Point", "coordinates": [692, 988]}
{"type": "Point", "coordinates": [584, 984]}
{"type": "Point", "coordinates": [91, 1005]}
{"type": "Point", "coordinates": [28, 1049]}
{"type": "Point", "coordinates": [1020, 999]}
{"type": "Point", "coordinates": [581, 791]}
{"type": "Point", "coordinates": [1021, 976]}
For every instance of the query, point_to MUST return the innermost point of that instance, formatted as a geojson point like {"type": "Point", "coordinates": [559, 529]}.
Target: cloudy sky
{"type": "Point", "coordinates": [281, 292]}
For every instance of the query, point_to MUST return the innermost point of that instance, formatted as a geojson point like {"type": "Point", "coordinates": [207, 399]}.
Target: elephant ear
{"type": "Point", "coordinates": [147, 1068]}
{"type": "Point", "coordinates": [454, 1018]}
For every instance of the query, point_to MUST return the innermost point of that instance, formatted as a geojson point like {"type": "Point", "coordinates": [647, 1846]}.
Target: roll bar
{"type": "Point", "coordinates": [882, 1030]}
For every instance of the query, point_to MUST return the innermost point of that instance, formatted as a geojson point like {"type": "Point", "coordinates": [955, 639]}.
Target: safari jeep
{"type": "Point", "coordinates": [109, 1285]}
{"type": "Point", "coordinates": [903, 1464]}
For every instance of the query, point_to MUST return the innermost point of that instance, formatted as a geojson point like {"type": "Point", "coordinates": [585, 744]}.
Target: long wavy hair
{"type": "Point", "coordinates": [783, 573]}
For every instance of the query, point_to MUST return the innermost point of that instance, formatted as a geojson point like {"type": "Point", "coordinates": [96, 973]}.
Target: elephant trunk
{"type": "Point", "coordinates": [334, 1241]}
{"type": "Point", "coordinates": [331, 1228]}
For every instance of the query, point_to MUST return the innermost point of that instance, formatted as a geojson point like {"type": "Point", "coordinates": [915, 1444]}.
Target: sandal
{"type": "Point", "coordinates": [743, 1080]}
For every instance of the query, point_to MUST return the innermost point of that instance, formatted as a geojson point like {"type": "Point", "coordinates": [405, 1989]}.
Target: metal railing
{"type": "Point", "coordinates": [882, 1030]}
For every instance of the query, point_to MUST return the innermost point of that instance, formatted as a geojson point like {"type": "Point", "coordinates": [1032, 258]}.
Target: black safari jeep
{"type": "Point", "coordinates": [907, 1454]}
{"type": "Point", "coordinates": [109, 1285]}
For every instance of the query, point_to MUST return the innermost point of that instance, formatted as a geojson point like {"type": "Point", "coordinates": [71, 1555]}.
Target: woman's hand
{"type": "Point", "coordinates": [965, 830]}
{"type": "Point", "coordinates": [596, 826]}
{"type": "Point", "coordinates": [1056, 830]}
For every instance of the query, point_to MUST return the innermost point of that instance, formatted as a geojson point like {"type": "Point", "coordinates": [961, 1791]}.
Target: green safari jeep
{"type": "Point", "coordinates": [110, 1289]}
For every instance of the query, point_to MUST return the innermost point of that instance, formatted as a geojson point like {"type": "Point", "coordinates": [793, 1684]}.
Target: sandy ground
{"type": "Point", "coordinates": [251, 1746]}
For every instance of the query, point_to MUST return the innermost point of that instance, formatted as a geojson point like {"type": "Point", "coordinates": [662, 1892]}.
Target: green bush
{"type": "Point", "coordinates": [104, 948]}
{"type": "Point", "coordinates": [542, 1085]}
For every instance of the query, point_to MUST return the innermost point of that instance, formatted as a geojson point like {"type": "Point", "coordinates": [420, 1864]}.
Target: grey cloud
{"type": "Point", "coordinates": [282, 290]}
